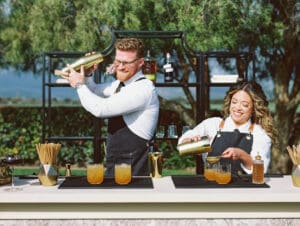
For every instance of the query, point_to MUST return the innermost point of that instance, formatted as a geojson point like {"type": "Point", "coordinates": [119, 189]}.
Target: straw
{"type": "Point", "coordinates": [294, 153]}
{"type": "Point", "coordinates": [48, 152]}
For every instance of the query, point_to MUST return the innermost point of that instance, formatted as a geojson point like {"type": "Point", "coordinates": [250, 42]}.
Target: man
{"type": "Point", "coordinates": [130, 102]}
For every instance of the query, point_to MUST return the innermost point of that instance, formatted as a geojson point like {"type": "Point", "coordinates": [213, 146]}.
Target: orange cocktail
{"type": "Point", "coordinates": [209, 174]}
{"type": "Point", "coordinates": [223, 174]}
{"type": "Point", "coordinates": [95, 173]}
{"type": "Point", "coordinates": [122, 173]}
{"type": "Point", "coordinates": [210, 167]}
{"type": "Point", "coordinates": [223, 177]}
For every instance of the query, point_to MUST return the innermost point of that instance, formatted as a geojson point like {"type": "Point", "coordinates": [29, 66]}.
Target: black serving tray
{"type": "Point", "coordinates": [80, 182]}
{"type": "Point", "coordinates": [198, 181]}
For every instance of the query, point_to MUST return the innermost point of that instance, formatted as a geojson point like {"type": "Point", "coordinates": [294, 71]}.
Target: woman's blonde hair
{"type": "Point", "coordinates": [261, 114]}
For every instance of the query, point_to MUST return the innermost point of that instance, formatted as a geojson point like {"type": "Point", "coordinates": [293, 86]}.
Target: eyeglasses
{"type": "Point", "coordinates": [125, 63]}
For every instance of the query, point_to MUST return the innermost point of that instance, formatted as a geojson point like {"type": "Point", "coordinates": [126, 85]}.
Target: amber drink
{"type": "Point", "coordinates": [122, 173]}
{"type": "Point", "coordinates": [95, 173]}
{"type": "Point", "coordinates": [210, 168]}
{"type": "Point", "coordinates": [258, 170]}
{"type": "Point", "coordinates": [209, 174]}
{"type": "Point", "coordinates": [223, 174]}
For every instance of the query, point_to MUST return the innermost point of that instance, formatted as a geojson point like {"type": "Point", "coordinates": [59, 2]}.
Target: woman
{"type": "Point", "coordinates": [245, 131]}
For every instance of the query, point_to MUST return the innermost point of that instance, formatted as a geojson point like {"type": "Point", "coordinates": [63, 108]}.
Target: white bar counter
{"type": "Point", "coordinates": [164, 201]}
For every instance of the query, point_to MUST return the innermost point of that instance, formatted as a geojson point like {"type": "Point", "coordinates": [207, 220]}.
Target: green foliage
{"type": "Point", "coordinates": [21, 130]}
{"type": "Point", "coordinates": [172, 159]}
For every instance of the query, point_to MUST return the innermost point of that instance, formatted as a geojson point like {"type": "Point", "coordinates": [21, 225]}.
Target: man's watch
{"type": "Point", "coordinates": [78, 85]}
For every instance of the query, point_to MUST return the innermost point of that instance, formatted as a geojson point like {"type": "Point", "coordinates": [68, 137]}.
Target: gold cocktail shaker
{"type": "Point", "coordinates": [195, 147]}
{"type": "Point", "coordinates": [87, 61]}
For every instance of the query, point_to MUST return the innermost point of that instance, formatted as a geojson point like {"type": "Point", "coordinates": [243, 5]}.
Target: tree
{"type": "Point", "coordinates": [270, 29]}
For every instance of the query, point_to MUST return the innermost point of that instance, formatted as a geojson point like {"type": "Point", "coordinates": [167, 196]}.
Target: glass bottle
{"type": "Point", "coordinates": [168, 69]}
{"type": "Point", "coordinates": [150, 67]}
{"type": "Point", "coordinates": [258, 170]}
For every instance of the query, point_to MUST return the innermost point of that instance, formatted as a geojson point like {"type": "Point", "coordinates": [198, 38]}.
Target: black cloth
{"type": "Point", "coordinates": [117, 122]}
{"type": "Point", "coordinates": [224, 140]}
{"type": "Point", "coordinates": [121, 142]}
{"type": "Point", "coordinates": [124, 143]}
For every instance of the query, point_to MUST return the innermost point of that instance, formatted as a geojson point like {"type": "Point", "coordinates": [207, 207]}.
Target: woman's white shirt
{"type": "Point", "coordinates": [261, 141]}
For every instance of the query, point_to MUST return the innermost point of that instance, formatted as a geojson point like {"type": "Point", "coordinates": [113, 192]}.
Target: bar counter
{"type": "Point", "coordinates": [163, 201]}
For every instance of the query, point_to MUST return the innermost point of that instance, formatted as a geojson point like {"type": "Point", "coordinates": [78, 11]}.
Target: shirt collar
{"type": "Point", "coordinates": [229, 124]}
{"type": "Point", "coordinates": [138, 75]}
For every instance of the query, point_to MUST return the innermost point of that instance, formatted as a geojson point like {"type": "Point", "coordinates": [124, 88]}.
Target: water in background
{"type": "Point", "coordinates": [17, 84]}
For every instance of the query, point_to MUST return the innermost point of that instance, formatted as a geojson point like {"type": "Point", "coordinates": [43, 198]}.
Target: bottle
{"type": "Point", "coordinates": [258, 170]}
{"type": "Point", "coordinates": [168, 69]}
{"type": "Point", "coordinates": [149, 68]}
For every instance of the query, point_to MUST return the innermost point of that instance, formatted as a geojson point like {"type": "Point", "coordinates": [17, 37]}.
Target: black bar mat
{"type": "Point", "coordinates": [80, 182]}
{"type": "Point", "coordinates": [198, 181]}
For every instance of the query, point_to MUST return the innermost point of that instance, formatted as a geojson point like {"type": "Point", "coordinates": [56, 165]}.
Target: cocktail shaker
{"type": "Point", "coordinates": [195, 147]}
{"type": "Point", "coordinates": [87, 61]}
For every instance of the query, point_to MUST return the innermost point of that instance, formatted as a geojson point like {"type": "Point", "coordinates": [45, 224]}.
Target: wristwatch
{"type": "Point", "coordinates": [78, 85]}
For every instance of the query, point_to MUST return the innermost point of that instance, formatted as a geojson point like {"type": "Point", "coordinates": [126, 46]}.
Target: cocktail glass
{"type": "Point", "coordinates": [13, 160]}
{"type": "Point", "coordinates": [210, 167]}
{"type": "Point", "coordinates": [95, 173]}
{"type": "Point", "coordinates": [223, 174]}
{"type": "Point", "coordinates": [123, 170]}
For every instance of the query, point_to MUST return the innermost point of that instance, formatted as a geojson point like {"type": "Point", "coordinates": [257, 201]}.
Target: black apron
{"type": "Point", "coordinates": [123, 142]}
{"type": "Point", "coordinates": [224, 140]}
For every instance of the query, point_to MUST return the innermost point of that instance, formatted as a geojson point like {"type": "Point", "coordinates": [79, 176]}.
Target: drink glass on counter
{"type": "Point", "coordinates": [210, 167]}
{"type": "Point", "coordinates": [13, 160]}
{"type": "Point", "coordinates": [123, 170]}
{"type": "Point", "coordinates": [95, 173]}
{"type": "Point", "coordinates": [223, 173]}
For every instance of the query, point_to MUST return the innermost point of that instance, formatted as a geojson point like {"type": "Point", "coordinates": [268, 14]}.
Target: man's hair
{"type": "Point", "coordinates": [131, 44]}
